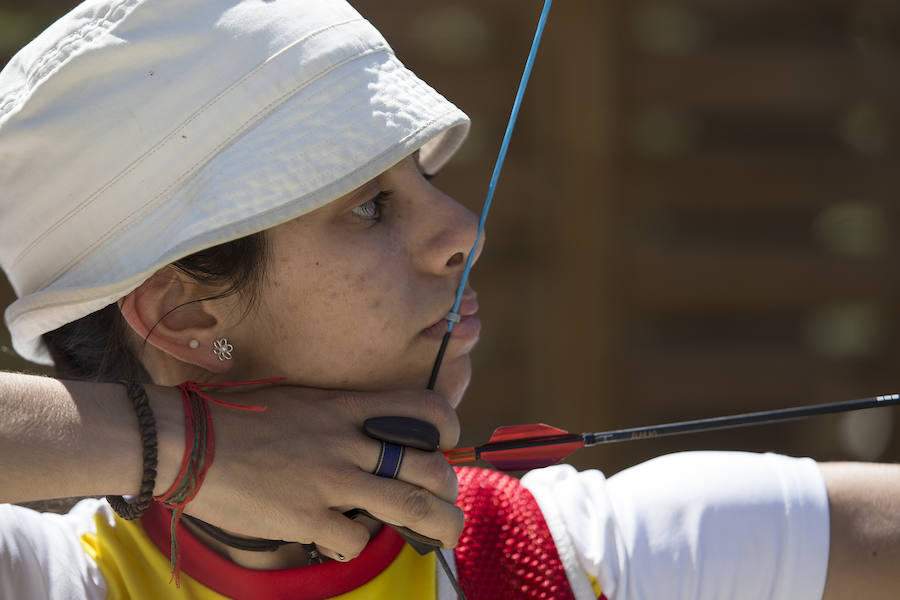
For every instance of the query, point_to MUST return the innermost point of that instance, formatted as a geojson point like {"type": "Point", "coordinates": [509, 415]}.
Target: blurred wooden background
{"type": "Point", "coordinates": [697, 215]}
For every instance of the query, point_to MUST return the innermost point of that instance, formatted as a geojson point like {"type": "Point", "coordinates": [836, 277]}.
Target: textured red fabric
{"type": "Point", "coordinates": [506, 551]}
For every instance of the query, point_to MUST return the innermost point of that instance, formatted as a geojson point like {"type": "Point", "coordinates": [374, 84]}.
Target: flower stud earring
{"type": "Point", "coordinates": [222, 349]}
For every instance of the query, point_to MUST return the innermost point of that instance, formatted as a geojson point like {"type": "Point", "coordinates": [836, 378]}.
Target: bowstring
{"type": "Point", "coordinates": [453, 317]}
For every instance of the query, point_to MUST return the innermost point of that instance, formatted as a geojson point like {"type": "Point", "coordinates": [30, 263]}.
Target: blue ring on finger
{"type": "Point", "coordinates": [389, 460]}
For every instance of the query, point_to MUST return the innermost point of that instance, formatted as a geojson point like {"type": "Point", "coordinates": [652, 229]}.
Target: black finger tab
{"type": "Point", "coordinates": [404, 431]}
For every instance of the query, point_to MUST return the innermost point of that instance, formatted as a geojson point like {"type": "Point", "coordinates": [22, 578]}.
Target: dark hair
{"type": "Point", "coordinates": [96, 347]}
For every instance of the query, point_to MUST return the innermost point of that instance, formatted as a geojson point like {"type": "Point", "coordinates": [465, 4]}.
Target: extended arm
{"type": "Point", "coordinates": [864, 501]}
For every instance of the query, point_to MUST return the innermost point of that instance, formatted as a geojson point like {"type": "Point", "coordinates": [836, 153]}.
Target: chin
{"type": "Point", "coordinates": [453, 380]}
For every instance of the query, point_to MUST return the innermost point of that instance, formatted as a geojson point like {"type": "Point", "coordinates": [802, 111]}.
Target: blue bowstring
{"type": "Point", "coordinates": [500, 158]}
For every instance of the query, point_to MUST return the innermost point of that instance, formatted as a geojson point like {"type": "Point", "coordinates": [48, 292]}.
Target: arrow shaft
{"type": "Point", "coordinates": [742, 420]}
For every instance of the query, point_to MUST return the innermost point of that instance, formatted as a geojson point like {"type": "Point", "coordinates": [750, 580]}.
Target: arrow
{"type": "Point", "coordinates": [523, 447]}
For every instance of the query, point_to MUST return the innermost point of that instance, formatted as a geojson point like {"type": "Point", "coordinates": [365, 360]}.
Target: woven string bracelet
{"type": "Point", "coordinates": [199, 451]}
{"type": "Point", "coordinates": [147, 425]}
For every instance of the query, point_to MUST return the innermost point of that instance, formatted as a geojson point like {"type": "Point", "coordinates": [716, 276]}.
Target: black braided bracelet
{"type": "Point", "coordinates": [147, 424]}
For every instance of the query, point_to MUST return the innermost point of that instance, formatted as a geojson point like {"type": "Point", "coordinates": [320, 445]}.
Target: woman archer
{"type": "Point", "coordinates": [204, 191]}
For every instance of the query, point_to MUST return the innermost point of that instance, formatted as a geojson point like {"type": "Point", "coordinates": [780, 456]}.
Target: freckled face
{"type": "Point", "coordinates": [356, 291]}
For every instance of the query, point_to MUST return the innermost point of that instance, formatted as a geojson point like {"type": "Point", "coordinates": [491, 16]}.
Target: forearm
{"type": "Point", "coordinates": [278, 473]}
{"type": "Point", "coordinates": [66, 438]}
{"type": "Point", "coordinates": [864, 501]}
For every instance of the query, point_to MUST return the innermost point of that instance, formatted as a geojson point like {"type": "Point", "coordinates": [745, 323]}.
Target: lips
{"type": "Point", "coordinates": [469, 326]}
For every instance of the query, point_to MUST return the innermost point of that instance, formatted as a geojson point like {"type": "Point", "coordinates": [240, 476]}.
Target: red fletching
{"type": "Point", "coordinates": [553, 445]}
{"type": "Point", "coordinates": [521, 447]}
{"type": "Point", "coordinates": [509, 433]}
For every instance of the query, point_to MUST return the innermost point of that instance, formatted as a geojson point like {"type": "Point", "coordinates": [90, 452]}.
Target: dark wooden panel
{"type": "Point", "coordinates": [671, 280]}
{"type": "Point", "coordinates": [711, 181]}
{"type": "Point", "coordinates": [791, 81]}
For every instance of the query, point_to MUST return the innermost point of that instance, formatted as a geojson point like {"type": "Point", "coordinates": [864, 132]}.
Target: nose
{"type": "Point", "coordinates": [450, 235]}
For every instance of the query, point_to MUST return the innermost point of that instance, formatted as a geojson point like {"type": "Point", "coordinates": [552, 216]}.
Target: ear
{"type": "Point", "coordinates": [162, 312]}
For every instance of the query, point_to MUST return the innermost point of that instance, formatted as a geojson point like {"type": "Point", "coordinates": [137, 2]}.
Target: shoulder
{"type": "Point", "coordinates": [41, 554]}
{"type": "Point", "coordinates": [19, 525]}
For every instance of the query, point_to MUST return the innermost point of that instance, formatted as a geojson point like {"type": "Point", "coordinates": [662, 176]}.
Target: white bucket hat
{"type": "Point", "coordinates": [136, 132]}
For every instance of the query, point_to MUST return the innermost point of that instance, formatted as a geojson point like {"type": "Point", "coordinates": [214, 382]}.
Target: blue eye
{"type": "Point", "coordinates": [370, 210]}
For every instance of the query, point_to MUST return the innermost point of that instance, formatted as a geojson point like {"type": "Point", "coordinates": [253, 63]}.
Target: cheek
{"type": "Point", "coordinates": [346, 310]}
{"type": "Point", "coordinates": [374, 288]}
